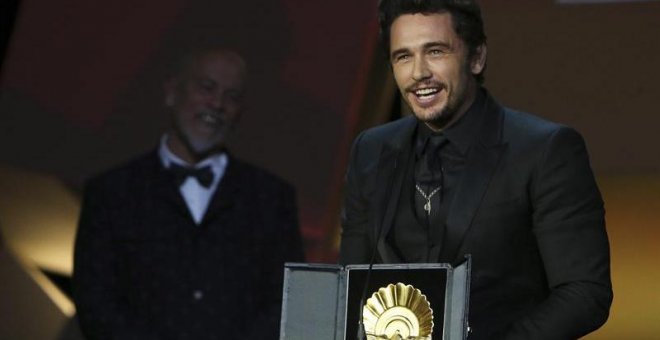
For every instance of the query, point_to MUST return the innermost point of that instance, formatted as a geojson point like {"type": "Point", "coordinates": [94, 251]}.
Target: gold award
{"type": "Point", "coordinates": [398, 312]}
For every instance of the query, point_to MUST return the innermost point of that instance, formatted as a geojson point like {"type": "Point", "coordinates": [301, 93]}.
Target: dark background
{"type": "Point", "coordinates": [81, 81]}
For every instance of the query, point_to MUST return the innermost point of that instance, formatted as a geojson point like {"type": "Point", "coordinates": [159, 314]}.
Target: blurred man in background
{"type": "Point", "coordinates": [187, 241]}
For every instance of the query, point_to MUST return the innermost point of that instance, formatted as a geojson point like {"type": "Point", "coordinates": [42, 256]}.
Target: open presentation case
{"type": "Point", "coordinates": [322, 301]}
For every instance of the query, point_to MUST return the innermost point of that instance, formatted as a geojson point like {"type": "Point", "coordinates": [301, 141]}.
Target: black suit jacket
{"type": "Point", "coordinates": [526, 208]}
{"type": "Point", "coordinates": [144, 270]}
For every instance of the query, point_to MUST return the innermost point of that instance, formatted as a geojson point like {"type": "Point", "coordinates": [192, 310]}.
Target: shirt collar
{"type": "Point", "coordinates": [217, 161]}
{"type": "Point", "coordinates": [461, 133]}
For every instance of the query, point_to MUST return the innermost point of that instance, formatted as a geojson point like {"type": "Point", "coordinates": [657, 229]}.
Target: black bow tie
{"type": "Point", "coordinates": [203, 175]}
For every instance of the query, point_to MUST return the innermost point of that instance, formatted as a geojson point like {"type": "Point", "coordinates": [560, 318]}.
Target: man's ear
{"type": "Point", "coordinates": [478, 62]}
{"type": "Point", "coordinates": [169, 88]}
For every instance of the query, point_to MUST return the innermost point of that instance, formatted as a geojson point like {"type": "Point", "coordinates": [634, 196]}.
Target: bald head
{"type": "Point", "coordinates": [205, 98]}
{"type": "Point", "coordinates": [216, 54]}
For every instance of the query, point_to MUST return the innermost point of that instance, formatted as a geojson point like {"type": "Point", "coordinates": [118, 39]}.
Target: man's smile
{"type": "Point", "coordinates": [425, 95]}
{"type": "Point", "coordinates": [211, 117]}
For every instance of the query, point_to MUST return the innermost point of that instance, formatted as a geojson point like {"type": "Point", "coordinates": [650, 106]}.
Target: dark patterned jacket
{"type": "Point", "coordinates": [144, 270]}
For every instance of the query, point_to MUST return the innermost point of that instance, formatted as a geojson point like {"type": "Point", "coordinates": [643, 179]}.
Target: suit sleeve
{"type": "Point", "coordinates": [355, 212]}
{"type": "Point", "coordinates": [283, 243]}
{"type": "Point", "coordinates": [97, 281]}
{"type": "Point", "coordinates": [569, 225]}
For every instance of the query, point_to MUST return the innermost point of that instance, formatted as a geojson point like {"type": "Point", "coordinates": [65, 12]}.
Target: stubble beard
{"type": "Point", "coordinates": [200, 147]}
{"type": "Point", "coordinates": [441, 117]}
{"type": "Point", "coordinates": [453, 107]}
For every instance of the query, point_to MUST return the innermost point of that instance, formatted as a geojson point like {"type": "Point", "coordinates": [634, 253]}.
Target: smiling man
{"type": "Point", "coordinates": [205, 101]}
{"type": "Point", "coordinates": [434, 68]}
{"type": "Point", "coordinates": [187, 242]}
{"type": "Point", "coordinates": [465, 175]}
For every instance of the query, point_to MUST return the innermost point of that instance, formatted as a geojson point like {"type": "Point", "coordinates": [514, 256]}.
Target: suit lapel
{"type": "Point", "coordinates": [392, 164]}
{"type": "Point", "coordinates": [162, 185]}
{"type": "Point", "coordinates": [481, 163]}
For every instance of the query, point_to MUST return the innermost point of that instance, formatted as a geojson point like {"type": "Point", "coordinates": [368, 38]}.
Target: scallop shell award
{"type": "Point", "coordinates": [397, 312]}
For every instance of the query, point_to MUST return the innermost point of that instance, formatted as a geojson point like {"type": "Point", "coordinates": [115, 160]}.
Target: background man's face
{"type": "Point", "coordinates": [206, 100]}
{"type": "Point", "coordinates": [431, 68]}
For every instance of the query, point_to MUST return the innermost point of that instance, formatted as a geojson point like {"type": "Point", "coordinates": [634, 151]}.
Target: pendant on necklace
{"type": "Point", "coordinates": [427, 206]}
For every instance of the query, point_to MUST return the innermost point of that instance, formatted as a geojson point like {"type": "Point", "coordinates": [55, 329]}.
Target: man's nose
{"type": "Point", "coordinates": [216, 101]}
{"type": "Point", "coordinates": [420, 69]}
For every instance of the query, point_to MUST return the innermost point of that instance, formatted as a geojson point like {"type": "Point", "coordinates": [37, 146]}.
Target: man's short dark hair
{"type": "Point", "coordinates": [465, 14]}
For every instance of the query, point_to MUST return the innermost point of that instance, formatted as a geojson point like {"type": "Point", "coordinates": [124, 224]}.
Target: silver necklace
{"type": "Point", "coordinates": [427, 206]}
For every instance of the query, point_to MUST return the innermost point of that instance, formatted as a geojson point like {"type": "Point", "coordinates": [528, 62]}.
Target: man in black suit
{"type": "Point", "coordinates": [468, 176]}
{"type": "Point", "coordinates": [187, 242]}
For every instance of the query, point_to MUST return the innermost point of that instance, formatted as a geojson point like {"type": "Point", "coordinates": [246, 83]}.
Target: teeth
{"type": "Point", "coordinates": [209, 117]}
{"type": "Point", "coordinates": [426, 92]}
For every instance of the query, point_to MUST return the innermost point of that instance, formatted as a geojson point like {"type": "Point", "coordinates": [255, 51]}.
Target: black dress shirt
{"type": "Point", "coordinates": [439, 163]}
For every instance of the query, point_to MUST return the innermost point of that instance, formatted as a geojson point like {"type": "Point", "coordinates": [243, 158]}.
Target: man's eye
{"type": "Point", "coordinates": [235, 96]}
{"type": "Point", "coordinates": [206, 86]}
{"type": "Point", "coordinates": [402, 57]}
{"type": "Point", "coordinates": [435, 52]}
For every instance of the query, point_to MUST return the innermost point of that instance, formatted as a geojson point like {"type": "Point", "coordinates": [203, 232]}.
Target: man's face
{"type": "Point", "coordinates": [206, 100]}
{"type": "Point", "coordinates": [431, 67]}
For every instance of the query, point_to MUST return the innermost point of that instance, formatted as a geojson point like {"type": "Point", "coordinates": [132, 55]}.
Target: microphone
{"type": "Point", "coordinates": [361, 333]}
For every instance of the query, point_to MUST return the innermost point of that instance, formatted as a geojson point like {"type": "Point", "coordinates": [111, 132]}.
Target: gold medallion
{"type": "Point", "coordinates": [398, 312]}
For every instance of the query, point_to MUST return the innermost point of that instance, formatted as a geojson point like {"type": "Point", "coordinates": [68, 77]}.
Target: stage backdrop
{"type": "Point", "coordinates": [81, 92]}
{"type": "Point", "coordinates": [82, 87]}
